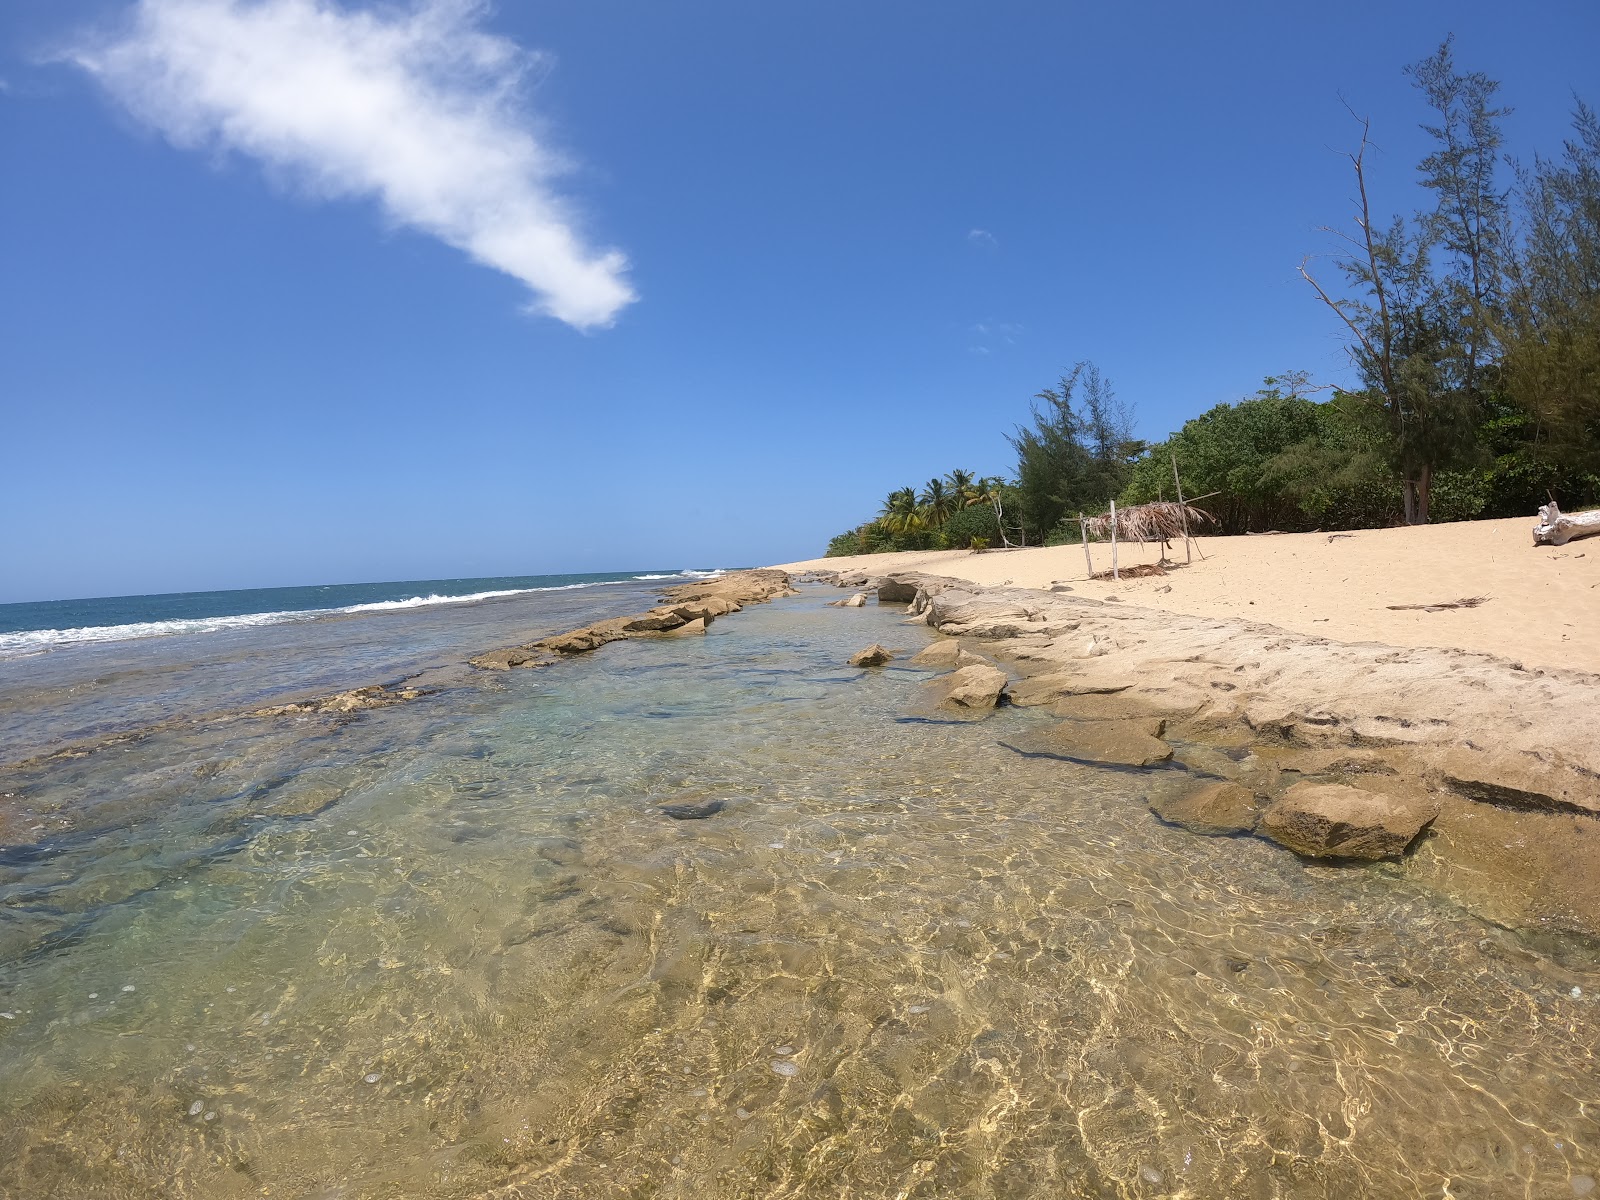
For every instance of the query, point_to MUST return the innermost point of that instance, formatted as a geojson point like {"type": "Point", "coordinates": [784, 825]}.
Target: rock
{"type": "Point", "coordinates": [1330, 820]}
{"type": "Point", "coordinates": [590, 637]}
{"type": "Point", "coordinates": [1102, 707]}
{"type": "Point", "coordinates": [711, 606]}
{"type": "Point", "coordinates": [693, 812]}
{"type": "Point", "coordinates": [1216, 810]}
{"type": "Point", "coordinates": [947, 653]}
{"type": "Point", "coordinates": [975, 689]}
{"type": "Point", "coordinates": [655, 621]}
{"type": "Point", "coordinates": [1517, 781]}
{"type": "Point", "coordinates": [1129, 743]}
{"type": "Point", "coordinates": [687, 629]}
{"type": "Point", "coordinates": [504, 660]}
{"type": "Point", "coordinates": [356, 700]}
{"type": "Point", "coordinates": [873, 656]}
{"type": "Point", "coordinates": [1047, 689]}
{"type": "Point", "coordinates": [896, 591]}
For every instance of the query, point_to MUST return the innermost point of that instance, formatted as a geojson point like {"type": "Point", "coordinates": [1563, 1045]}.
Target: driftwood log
{"type": "Point", "coordinates": [1556, 529]}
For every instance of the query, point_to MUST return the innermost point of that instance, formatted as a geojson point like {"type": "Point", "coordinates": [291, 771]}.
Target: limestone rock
{"type": "Point", "coordinates": [1128, 743]}
{"type": "Point", "coordinates": [1216, 810]}
{"type": "Point", "coordinates": [1118, 706]}
{"type": "Point", "coordinates": [873, 656]}
{"type": "Point", "coordinates": [947, 653]}
{"type": "Point", "coordinates": [687, 629]}
{"type": "Point", "coordinates": [655, 621]}
{"type": "Point", "coordinates": [1047, 689]}
{"type": "Point", "coordinates": [896, 591]}
{"type": "Point", "coordinates": [1330, 820]}
{"type": "Point", "coordinates": [355, 700]}
{"type": "Point", "coordinates": [859, 600]}
{"type": "Point", "coordinates": [973, 690]}
{"type": "Point", "coordinates": [504, 660]}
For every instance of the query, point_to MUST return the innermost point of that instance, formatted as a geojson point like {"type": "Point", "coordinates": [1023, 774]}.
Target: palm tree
{"type": "Point", "coordinates": [900, 513]}
{"type": "Point", "coordinates": [938, 501]}
{"type": "Point", "coordinates": [963, 487]}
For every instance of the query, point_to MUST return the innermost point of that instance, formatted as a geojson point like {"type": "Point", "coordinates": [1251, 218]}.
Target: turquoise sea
{"type": "Point", "coordinates": [456, 948]}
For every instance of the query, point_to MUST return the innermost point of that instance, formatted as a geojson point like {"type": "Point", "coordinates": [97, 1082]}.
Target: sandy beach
{"type": "Point", "coordinates": [1539, 603]}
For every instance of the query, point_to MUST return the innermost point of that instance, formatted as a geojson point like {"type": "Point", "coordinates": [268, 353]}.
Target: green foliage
{"type": "Point", "coordinates": [1076, 454]}
{"type": "Point", "coordinates": [970, 525]}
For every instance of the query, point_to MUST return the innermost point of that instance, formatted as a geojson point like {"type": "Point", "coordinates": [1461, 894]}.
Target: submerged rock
{"type": "Point", "coordinates": [873, 656]}
{"type": "Point", "coordinates": [357, 700]}
{"type": "Point", "coordinates": [1216, 810]}
{"type": "Point", "coordinates": [693, 812]}
{"type": "Point", "coordinates": [1330, 820]}
{"type": "Point", "coordinates": [505, 660]}
{"type": "Point", "coordinates": [1127, 743]}
{"type": "Point", "coordinates": [859, 600]}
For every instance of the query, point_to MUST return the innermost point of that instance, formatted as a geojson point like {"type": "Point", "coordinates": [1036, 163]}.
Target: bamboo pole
{"type": "Point", "coordinates": [1182, 510]}
{"type": "Point", "coordinates": [1083, 528]}
{"type": "Point", "coordinates": [1114, 574]}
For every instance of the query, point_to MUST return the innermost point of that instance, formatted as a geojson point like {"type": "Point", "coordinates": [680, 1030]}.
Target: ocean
{"type": "Point", "coordinates": [457, 948]}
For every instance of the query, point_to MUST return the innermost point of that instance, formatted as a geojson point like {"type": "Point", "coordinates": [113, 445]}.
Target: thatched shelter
{"type": "Point", "coordinates": [1158, 521]}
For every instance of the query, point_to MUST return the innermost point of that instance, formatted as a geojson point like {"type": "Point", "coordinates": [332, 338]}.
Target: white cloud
{"type": "Point", "coordinates": [981, 237]}
{"type": "Point", "coordinates": [416, 107]}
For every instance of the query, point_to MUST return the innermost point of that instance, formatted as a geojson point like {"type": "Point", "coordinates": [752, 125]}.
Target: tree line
{"type": "Point", "coordinates": [1473, 326]}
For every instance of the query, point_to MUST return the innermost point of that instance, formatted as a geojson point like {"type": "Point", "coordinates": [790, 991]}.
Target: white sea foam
{"type": "Point", "coordinates": [687, 573]}
{"type": "Point", "coordinates": [35, 641]}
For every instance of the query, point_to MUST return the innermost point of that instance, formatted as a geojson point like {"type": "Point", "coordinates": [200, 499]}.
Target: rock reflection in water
{"type": "Point", "coordinates": [455, 949]}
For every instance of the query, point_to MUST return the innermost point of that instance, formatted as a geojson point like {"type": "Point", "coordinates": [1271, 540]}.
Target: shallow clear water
{"type": "Point", "coordinates": [452, 948]}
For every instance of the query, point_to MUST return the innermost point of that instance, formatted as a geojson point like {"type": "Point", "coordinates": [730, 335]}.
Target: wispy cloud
{"type": "Point", "coordinates": [417, 107]}
{"type": "Point", "coordinates": [991, 333]}
{"type": "Point", "coordinates": [981, 237]}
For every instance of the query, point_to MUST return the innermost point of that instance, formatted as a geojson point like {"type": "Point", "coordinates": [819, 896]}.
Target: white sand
{"type": "Point", "coordinates": [1542, 606]}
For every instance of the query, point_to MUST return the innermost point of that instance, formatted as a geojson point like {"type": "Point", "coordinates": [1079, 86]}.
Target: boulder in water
{"type": "Point", "coordinates": [1331, 820]}
{"type": "Point", "coordinates": [971, 691]}
{"type": "Point", "coordinates": [873, 656]}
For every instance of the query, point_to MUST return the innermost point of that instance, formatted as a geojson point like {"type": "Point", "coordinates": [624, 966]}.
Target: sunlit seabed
{"type": "Point", "coordinates": [452, 949]}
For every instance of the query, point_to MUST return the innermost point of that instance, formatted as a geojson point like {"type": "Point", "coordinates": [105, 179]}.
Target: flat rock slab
{"type": "Point", "coordinates": [1330, 820]}
{"type": "Point", "coordinates": [1116, 706]}
{"type": "Point", "coordinates": [947, 653]}
{"type": "Point", "coordinates": [505, 660]}
{"type": "Point", "coordinates": [873, 656]}
{"type": "Point", "coordinates": [1130, 743]}
{"type": "Point", "coordinates": [1047, 689]}
{"type": "Point", "coordinates": [1216, 810]}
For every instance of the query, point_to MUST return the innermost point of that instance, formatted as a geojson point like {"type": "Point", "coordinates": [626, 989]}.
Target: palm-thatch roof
{"type": "Point", "coordinates": [1158, 521]}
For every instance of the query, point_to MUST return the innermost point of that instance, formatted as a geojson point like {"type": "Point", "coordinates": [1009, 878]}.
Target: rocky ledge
{"type": "Point", "coordinates": [689, 610]}
{"type": "Point", "coordinates": [1474, 775]}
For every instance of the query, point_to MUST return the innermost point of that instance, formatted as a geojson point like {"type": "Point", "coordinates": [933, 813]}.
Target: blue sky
{"type": "Point", "coordinates": [263, 335]}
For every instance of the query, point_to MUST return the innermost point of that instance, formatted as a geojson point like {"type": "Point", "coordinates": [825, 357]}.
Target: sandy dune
{"type": "Point", "coordinates": [1541, 606]}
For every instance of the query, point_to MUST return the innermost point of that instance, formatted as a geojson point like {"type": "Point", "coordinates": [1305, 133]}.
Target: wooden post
{"type": "Point", "coordinates": [1114, 574]}
{"type": "Point", "coordinates": [1183, 510]}
{"type": "Point", "coordinates": [1083, 528]}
